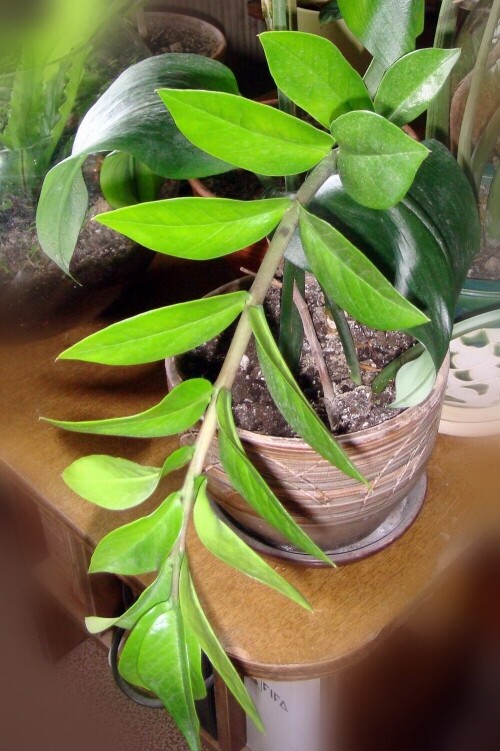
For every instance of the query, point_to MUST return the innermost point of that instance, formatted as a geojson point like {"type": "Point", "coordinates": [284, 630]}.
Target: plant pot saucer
{"type": "Point", "coordinates": [396, 524]}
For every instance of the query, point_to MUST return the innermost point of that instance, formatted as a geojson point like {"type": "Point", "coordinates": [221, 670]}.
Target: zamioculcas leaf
{"type": "Point", "coordinates": [292, 403]}
{"type": "Point", "coordinates": [177, 412]}
{"type": "Point", "coordinates": [197, 622]}
{"type": "Point", "coordinates": [157, 592]}
{"type": "Point", "coordinates": [377, 161]}
{"type": "Point", "coordinates": [314, 74]}
{"type": "Point", "coordinates": [117, 180]}
{"type": "Point", "coordinates": [222, 542]}
{"type": "Point", "coordinates": [141, 546]}
{"type": "Point", "coordinates": [163, 666]}
{"type": "Point", "coordinates": [195, 664]}
{"type": "Point", "coordinates": [412, 82]}
{"type": "Point", "coordinates": [127, 665]}
{"type": "Point", "coordinates": [247, 134]}
{"type": "Point", "coordinates": [352, 280]}
{"type": "Point", "coordinates": [414, 382]}
{"type": "Point", "coordinates": [249, 483]}
{"type": "Point", "coordinates": [197, 228]}
{"type": "Point", "coordinates": [160, 333]}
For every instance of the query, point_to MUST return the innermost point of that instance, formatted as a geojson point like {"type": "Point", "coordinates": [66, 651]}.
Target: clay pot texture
{"type": "Point", "coordinates": [333, 509]}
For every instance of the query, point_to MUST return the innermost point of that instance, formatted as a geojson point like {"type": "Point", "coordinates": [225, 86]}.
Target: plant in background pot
{"type": "Point", "coordinates": [45, 79]}
{"type": "Point", "coordinates": [385, 228]}
{"type": "Point", "coordinates": [164, 32]}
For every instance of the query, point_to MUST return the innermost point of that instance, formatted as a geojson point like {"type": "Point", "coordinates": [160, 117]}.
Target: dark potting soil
{"type": "Point", "coordinates": [238, 184]}
{"type": "Point", "coordinates": [180, 35]}
{"type": "Point", "coordinates": [355, 407]}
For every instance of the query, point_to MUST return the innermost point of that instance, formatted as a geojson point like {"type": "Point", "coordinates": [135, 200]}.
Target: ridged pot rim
{"type": "Point", "coordinates": [374, 432]}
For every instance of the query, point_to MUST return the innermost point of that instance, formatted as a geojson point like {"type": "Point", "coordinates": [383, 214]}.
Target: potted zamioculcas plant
{"type": "Point", "coordinates": [368, 254]}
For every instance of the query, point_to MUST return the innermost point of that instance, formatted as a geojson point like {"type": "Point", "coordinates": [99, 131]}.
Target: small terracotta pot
{"type": "Point", "coordinates": [333, 509]}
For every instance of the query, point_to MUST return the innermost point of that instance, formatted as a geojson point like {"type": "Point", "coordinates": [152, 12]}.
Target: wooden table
{"type": "Point", "coordinates": [268, 637]}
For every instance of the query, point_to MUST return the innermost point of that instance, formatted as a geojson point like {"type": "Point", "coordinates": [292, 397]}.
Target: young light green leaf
{"type": "Point", "coordinates": [291, 401]}
{"type": "Point", "coordinates": [157, 592]}
{"type": "Point", "coordinates": [247, 134]}
{"type": "Point", "coordinates": [410, 85]}
{"type": "Point", "coordinates": [377, 161]}
{"type": "Point", "coordinates": [177, 460]}
{"type": "Point", "coordinates": [250, 484]}
{"type": "Point", "coordinates": [178, 411]}
{"type": "Point", "coordinates": [314, 74]}
{"type": "Point", "coordinates": [414, 382]}
{"type": "Point", "coordinates": [160, 333]}
{"type": "Point", "coordinates": [127, 664]}
{"type": "Point", "coordinates": [163, 666]}
{"type": "Point", "coordinates": [197, 228]}
{"type": "Point", "coordinates": [196, 620]}
{"type": "Point", "coordinates": [195, 664]}
{"type": "Point", "coordinates": [222, 542]}
{"type": "Point", "coordinates": [352, 280]}
{"type": "Point", "coordinates": [142, 545]}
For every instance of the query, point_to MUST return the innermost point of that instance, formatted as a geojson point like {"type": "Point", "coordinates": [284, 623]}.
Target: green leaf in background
{"type": "Point", "coordinates": [118, 179]}
{"type": "Point", "coordinates": [329, 12]}
{"type": "Point", "coordinates": [352, 280]}
{"type": "Point", "coordinates": [142, 545]}
{"type": "Point", "coordinates": [222, 542]}
{"type": "Point", "coordinates": [198, 228]}
{"type": "Point", "coordinates": [178, 411]}
{"type": "Point", "coordinates": [247, 134]}
{"type": "Point", "coordinates": [129, 118]}
{"type": "Point", "coordinates": [377, 161]}
{"type": "Point", "coordinates": [387, 28]}
{"type": "Point", "coordinates": [160, 333]}
{"type": "Point", "coordinates": [410, 85]}
{"type": "Point", "coordinates": [249, 483]}
{"type": "Point", "coordinates": [292, 403]}
{"type": "Point", "coordinates": [314, 74]}
{"type": "Point", "coordinates": [197, 622]}
{"type": "Point", "coordinates": [157, 592]}
{"type": "Point", "coordinates": [163, 665]}
{"type": "Point", "coordinates": [414, 382]}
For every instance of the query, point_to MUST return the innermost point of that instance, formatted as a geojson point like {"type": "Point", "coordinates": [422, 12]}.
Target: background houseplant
{"type": "Point", "coordinates": [378, 164]}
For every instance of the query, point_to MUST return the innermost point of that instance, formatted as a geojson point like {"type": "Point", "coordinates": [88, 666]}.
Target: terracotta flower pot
{"type": "Point", "coordinates": [333, 509]}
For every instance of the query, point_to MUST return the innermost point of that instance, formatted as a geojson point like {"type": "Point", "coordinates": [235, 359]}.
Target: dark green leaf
{"type": "Point", "coordinates": [196, 620]}
{"type": "Point", "coordinates": [291, 401]}
{"type": "Point", "coordinates": [198, 228]}
{"type": "Point", "coordinates": [247, 134]}
{"type": "Point", "coordinates": [387, 28]}
{"type": "Point", "coordinates": [314, 74]}
{"type": "Point", "coordinates": [141, 546]}
{"type": "Point", "coordinates": [352, 280]}
{"type": "Point", "coordinates": [412, 82]}
{"type": "Point", "coordinates": [163, 665]}
{"type": "Point", "coordinates": [129, 117]}
{"type": "Point", "coordinates": [180, 410]}
{"type": "Point", "coordinates": [248, 482]}
{"type": "Point", "coordinates": [160, 333]}
{"type": "Point", "coordinates": [329, 12]}
{"type": "Point", "coordinates": [222, 542]}
{"type": "Point", "coordinates": [118, 180]}
{"type": "Point", "coordinates": [377, 161]}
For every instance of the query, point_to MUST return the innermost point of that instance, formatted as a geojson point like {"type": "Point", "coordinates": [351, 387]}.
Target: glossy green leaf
{"type": "Point", "coordinates": [160, 333]}
{"type": "Point", "coordinates": [177, 460]}
{"type": "Point", "coordinates": [163, 665]}
{"type": "Point", "coordinates": [314, 74]}
{"type": "Point", "coordinates": [377, 161]}
{"type": "Point", "coordinates": [196, 620]}
{"type": "Point", "coordinates": [352, 280]}
{"type": "Point", "coordinates": [414, 382]}
{"type": "Point", "coordinates": [142, 545]}
{"type": "Point", "coordinates": [156, 593]}
{"type": "Point", "coordinates": [387, 28]}
{"type": "Point", "coordinates": [292, 403]}
{"type": "Point", "coordinates": [222, 542]}
{"type": "Point", "coordinates": [195, 664]}
{"type": "Point", "coordinates": [110, 482]}
{"type": "Point", "coordinates": [129, 118]}
{"type": "Point", "coordinates": [198, 228]}
{"type": "Point", "coordinates": [247, 134]}
{"type": "Point", "coordinates": [178, 411]}
{"type": "Point", "coordinates": [127, 664]}
{"type": "Point", "coordinates": [250, 484]}
{"type": "Point", "coordinates": [410, 85]}
{"type": "Point", "coordinates": [118, 180]}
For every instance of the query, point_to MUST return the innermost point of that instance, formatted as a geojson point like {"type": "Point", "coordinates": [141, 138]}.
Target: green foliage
{"type": "Point", "coordinates": [178, 411]}
{"type": "Point", "coordinates": [161, 333]}
{"type": "Point", "coordinates": [198, 228]}
{"type": "Point", "coordinates": [329, 12]}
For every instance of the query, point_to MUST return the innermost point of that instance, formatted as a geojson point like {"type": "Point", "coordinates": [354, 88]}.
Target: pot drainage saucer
{"type": "Point", "coordinates": [390, 530]}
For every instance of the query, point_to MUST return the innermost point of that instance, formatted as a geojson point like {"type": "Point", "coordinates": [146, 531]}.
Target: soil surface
{"type": "Point", "coordinates": [181, 35]}
{"type": "Point", "coordinates": [355, 407]}
{"type": "Point", "coordinates": [238, 184]}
